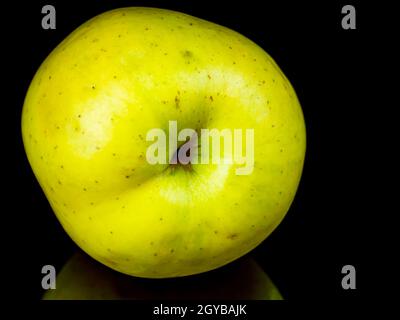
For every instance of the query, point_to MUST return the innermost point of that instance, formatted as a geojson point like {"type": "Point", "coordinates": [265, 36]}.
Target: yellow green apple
{"type": "Point", "coordinates": [85, 125]}
{"type": "Point", "coordinates": [83, 278]}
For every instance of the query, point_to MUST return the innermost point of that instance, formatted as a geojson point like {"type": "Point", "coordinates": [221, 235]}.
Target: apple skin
{"type": "Point", "coordinates": [84, 124]}
{"type": "Point", "coordinates": [83, 278]}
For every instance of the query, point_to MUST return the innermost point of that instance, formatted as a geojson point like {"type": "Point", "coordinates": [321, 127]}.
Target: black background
{"type": "Point", "coordinates": [328, 223]}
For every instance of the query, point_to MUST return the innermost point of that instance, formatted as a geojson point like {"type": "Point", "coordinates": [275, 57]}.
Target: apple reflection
{"type": "Point", "coordinates": [83, 278]}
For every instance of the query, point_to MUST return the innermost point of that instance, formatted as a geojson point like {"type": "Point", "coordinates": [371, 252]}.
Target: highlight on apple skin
{"type": "Point", "coordinates": [125, 72]}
